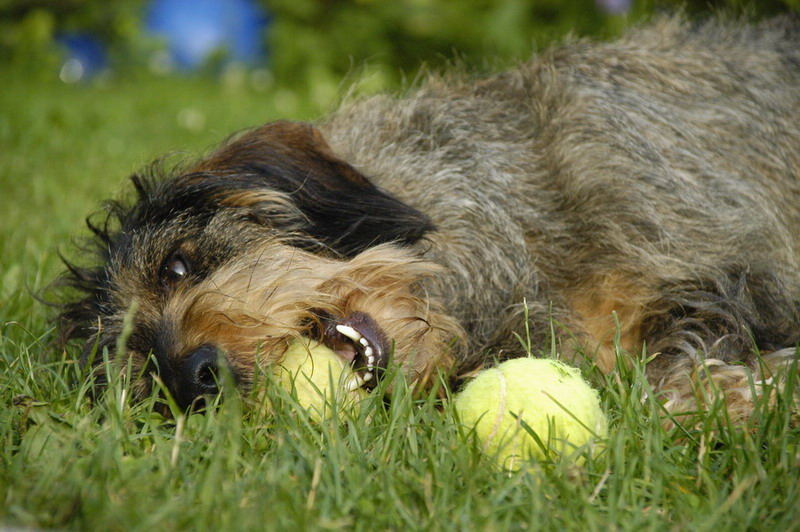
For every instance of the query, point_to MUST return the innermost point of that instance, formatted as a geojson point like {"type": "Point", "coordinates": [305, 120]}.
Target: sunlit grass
{"type": "Point", "coordinates": [399, 463]}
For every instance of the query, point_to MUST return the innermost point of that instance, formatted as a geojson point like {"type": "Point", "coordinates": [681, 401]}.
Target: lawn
{"type": "Point", "coordinates": [403, 463]}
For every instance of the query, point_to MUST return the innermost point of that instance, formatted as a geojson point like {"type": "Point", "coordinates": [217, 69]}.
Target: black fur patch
{"type": "Point", "coordinates": [343, 209]}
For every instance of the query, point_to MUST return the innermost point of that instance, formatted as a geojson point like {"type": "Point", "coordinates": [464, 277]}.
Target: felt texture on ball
{"type": "Point", "coordinates": [545, 396]}
{"type": "Point", "coordinates": [318, 378]}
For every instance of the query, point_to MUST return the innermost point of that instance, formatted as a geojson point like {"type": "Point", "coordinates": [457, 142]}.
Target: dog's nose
{"type": "Point", "coordinates": [198, 376]}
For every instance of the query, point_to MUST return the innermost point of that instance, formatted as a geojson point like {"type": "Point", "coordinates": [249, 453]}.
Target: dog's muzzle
{"type": "Point", "coordinates": [198, 377]}
{"type": "Point", "coordinates": [357, 338]}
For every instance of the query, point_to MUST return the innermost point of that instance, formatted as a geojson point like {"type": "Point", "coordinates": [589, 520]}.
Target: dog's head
{"type": "Point", "coordinates": [269, 238]}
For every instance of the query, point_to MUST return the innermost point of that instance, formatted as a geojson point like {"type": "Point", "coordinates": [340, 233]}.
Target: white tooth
{"type": "Point", "coordinates": [368, 352]}
{"type": "Point", "coordinates": [349, 332]}
{"type": "Point", "coordinates": [367, 376]}
{"type": "Point", "coordinates": [364, 342]}
{"type": "Point", "coordinates": [355, 382]}
{"type": "Point", "coordinates": [371, 362]}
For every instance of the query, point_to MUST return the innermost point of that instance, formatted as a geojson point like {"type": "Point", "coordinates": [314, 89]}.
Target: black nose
{"type": "Point", "coordinates": [198, 376]}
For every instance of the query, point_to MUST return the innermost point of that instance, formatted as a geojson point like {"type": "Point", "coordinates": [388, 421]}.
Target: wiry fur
{"type": "Point", "coordinates": [229, 306]}
{"type": "Point", "coordinates": [652, 183]}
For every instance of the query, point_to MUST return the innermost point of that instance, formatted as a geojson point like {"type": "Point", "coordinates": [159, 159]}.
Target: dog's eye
{"type": "Point", "coordinates": [175, 268]}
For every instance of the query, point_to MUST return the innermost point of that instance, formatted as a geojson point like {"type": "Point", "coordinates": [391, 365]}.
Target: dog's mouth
{"type": "Point", "coordinates": [359, 340]}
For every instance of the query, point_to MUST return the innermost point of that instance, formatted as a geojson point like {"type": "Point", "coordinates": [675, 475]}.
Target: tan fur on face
{"type": "Point", "coordinates": [252, 307]}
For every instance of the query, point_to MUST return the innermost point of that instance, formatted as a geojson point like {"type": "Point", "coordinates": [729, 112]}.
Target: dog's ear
{"type": "Point", "coordinates": [341, 207]}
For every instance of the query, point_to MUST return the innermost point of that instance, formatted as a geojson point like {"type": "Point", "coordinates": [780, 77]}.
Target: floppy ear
{"type": "Point", "coordinates": [342, 208]}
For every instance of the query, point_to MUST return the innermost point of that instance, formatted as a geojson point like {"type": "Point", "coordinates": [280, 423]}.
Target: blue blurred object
{"type": "Point", "coordinates": [195, 29]}
{"type": "Point", "coordinates": [85, 57]}
{"type": "Point", "coordinates": [614, 7]}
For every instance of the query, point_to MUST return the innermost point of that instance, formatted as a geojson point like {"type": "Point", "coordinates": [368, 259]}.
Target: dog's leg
{"type": "Point", "coordinates": [685, 386]}
{"type": "Point", "coordinates": [705, 342]}
{"type": "Point", "coordinates": [607, 312]}
{"type": "Point", "coordinates": [702, 339]}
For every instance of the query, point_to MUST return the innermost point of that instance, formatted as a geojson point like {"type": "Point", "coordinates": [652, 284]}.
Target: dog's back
{"type": "Point", "coordinates": [625, 176]}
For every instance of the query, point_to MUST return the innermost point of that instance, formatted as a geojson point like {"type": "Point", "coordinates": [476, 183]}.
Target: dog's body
{"type": "Point", "coordinates": [648, 188]}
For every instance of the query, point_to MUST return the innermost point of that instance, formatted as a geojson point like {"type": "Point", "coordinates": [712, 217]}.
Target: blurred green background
{"type": "Point", "coordinates": [314, 44]}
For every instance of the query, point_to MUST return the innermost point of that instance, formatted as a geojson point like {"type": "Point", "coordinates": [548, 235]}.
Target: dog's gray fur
{"type": "Point", "coordinates": [667, 162]}
{"type": "Point", "coordinates": [648, 187]}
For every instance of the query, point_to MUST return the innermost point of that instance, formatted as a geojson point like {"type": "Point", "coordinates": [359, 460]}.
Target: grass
{"type": "Point", "coordinates": [401, 464]}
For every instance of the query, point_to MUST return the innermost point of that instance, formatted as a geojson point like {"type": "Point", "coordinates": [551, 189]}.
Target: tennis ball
{"type": "Point", "coordinates": [318, 377]}
{"type": "Point", "coordinates": [544, 396]}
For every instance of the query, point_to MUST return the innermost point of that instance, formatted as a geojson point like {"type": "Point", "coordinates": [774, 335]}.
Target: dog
{"type": "Point", "coordinates": [638, 198]}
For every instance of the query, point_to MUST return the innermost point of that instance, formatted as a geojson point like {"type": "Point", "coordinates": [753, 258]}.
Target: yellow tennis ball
{"type": "Point", "coordinates": [318, 377]}
{"type": "Point", "coordinates": [520, 395]}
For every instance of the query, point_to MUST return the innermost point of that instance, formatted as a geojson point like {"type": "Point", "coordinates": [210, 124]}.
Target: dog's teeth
{"type": "Point", "coordinates": [348, 331]}
{"type": "Point", "coordinates": [369, 355]}
{"type": "Point", "coordinates": [355, 382]}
